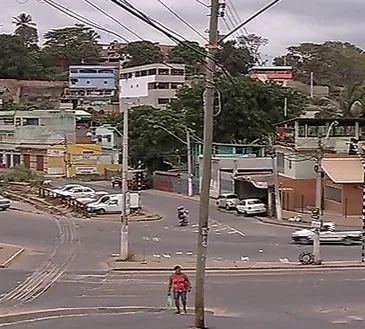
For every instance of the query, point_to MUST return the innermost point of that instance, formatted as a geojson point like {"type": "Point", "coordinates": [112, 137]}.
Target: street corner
{"type": "Point", "coordinates": [8, 254]}
{"type": "Point", "coordinates": [284, 222]}
{"type": "Point", "coordinates": [141, 216]}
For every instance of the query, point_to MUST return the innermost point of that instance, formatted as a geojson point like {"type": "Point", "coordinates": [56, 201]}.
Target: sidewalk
{"type": "Point", "coordinates": [162, 264]}
{"type": "Point", "coordinates": [9, 253]}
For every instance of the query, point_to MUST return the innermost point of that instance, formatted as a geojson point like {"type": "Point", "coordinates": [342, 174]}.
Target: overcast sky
{"type": "Point", "coordinates": [289, 23]}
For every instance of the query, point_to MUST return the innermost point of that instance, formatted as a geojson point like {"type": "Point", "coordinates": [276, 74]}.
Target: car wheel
{"type": "Point", "coordinates": [228, 207]}
{"type": "Point", "coordinates": [100, 211]}
{"type": "Point", "coordinates": [347, 242]}
{"type": "Point", "coordinates": [2, 209]}
{"type": "Point", "coordinates": [217, 204]}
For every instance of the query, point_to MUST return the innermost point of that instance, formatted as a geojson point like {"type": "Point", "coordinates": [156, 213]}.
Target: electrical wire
{"type": "Point", "coordinates": [90, 3]}
{"type": "Point", "coordinates": [202, 3]}
{"type": "Point", "coordinates": [182, 20]}
{"type": "Point", "coordinates": [82, 19]}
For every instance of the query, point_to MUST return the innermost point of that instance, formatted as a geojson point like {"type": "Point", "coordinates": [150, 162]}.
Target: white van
{"type": "Point", "coordinates": [113, 204]}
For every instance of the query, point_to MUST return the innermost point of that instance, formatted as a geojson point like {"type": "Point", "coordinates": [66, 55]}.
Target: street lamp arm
{"type": "Point", "coordinates": [171, 133]}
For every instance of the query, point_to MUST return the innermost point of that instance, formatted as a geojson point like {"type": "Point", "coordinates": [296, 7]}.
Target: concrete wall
{"type": "Point", "coordinates": [90, 76]}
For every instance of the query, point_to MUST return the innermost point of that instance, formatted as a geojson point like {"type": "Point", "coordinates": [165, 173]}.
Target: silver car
{"type": "Point", "coordinates": [4, 203]}
{"type": "Point", "coordinates": [228, 201]}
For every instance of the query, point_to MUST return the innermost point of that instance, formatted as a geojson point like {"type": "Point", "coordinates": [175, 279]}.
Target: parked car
{"type": "Point", "coordinates": [4, 203]}
{"type": "Point", "coordinates": [100, 200]}
{"type": "Point", "coordinates": [92, 198]}
{"type": "Point", "coordinates": [228, 201]}
{"type": "Point", "coordinates": [78, 192]}
{"type": "Point", "coordinates": [65, 188]}
{"type": "Point", "coordinates": [251, 207]}
{"type": "Point", "coordinates": [113, 204]}
{"type": "Point", "coordinates": [328, 234]}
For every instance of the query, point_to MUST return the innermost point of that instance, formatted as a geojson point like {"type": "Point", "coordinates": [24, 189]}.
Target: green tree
{"type": "Point", "coordinates": [72, 45]}
{"type": "Point", "coordinates": [235, 57]}
{"type": "Point", "coordinates": [20, 62]}
{"type": "Point", "coordinates": [141, 53]}
{"type": "Point", "coordinates": [333, 63]}
{"type": "Point", "coordinates": [189, 53]}
{"type": "Point", "coordinates": [353, 100]}
{"type": "Point", "coordinates": [26, 29]}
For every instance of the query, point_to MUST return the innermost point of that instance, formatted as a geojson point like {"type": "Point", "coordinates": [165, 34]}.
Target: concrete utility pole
{"type": "Point", "coordinates": [67, 158]}
{"type": "Point", "coordinates": [190, 164]}
{"type": "Point", "coordinates": [124, 243]}
{"type": "Point", "coordinates": [207, 164]}
{"type": "Point", "coordinates": [312, 85]}
{"type": "Point", "coordinates": [317, 211]}
{"type": "Point", "coordinates": [278, 210]}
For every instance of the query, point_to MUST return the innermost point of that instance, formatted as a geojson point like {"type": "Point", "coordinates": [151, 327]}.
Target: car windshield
{"type": "Point", "coordinates": [232, 196]}
{"type": "Point", "coordinates": [251, 202]}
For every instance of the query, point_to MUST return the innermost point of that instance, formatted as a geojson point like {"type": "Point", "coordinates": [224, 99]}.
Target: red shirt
{"type": "Point", "coordinates": [180, 282]}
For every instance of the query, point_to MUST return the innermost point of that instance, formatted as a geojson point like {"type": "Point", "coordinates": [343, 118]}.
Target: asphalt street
{"type": "Point", "coordinates": [275, 300]}
{"type": "Point", "coordinates": [230, 237]}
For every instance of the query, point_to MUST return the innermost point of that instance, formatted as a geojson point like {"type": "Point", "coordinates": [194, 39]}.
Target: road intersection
{"type": "Point", "coordinates": [64, 266]}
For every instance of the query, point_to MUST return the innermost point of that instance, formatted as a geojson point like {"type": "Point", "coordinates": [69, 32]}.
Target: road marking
{"type": "Point", "coordinates": [157, 239]}
{"type": "Point", "coordinates": [178, 253]}
{"type": "Point", "coordinates": [189, 252]}
{"type": "Point", "coordinates": [245, 258]}
{"type": "Point", "coordinates": [166, 256]}
{"type": "Point", "coordinates": [108, 296]}
{"type": "Point", "coordinates": [284, 260]}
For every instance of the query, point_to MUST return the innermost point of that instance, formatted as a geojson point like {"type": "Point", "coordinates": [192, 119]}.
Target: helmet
{"type": "Point", "coordinates": [180, 208]}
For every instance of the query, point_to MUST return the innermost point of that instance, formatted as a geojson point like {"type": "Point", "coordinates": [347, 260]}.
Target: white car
{"type": "Point", "coordinates": [251, 207]}
{"type": "Point", "coordinates": [78, 192]}
{"type": "Point", "coordinates": [228, 201]}
{"type": "Point", "coordinates": [92, 198]}
{"type": "Point", "coordinates": [327, 235]}
{"type": "Point", "coordinates": [4, 203]}
{"type": "Point", "coordinates": [65, 188]}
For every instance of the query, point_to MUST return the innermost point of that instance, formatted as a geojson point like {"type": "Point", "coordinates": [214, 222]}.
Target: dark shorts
{"type": "Point", "coordinates": [180, 294]}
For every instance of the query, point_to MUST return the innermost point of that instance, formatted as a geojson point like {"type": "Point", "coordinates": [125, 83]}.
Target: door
{"type": "Point", "coordinates": [40, 162]}
{"type": "Point", "coordinates": [113, 206]}
{"type": "Point", "coordinates": [26, 160]}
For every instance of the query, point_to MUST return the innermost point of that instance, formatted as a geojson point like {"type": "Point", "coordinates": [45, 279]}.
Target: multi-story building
{"type": "Point", "coordinates": [343, 177]}
{"type": "Point", "coordinates": [89, 86]}
{"type": "Point", "coordinates": [279, 74]}
{"type": "Point", "coordinates": [152, 84]}
{"type": "Point", "coordinates": [20, 130]}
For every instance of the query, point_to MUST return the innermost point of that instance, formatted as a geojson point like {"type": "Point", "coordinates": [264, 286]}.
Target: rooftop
{"type": "Point", "coordinates": [344, 170]}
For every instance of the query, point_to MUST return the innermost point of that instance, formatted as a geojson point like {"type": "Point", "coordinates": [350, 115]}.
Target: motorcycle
{"type": "Point", "coordinates": [183, 216]}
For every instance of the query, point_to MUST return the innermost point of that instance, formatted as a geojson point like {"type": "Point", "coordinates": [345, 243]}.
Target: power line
{"type": "Point", "coordinates": [112, 18]}
{"type": "Point", "coordinates": [82, 19]}
{"type": "Point", "coordinates": [235, 14]}
{"type": "Point", "coordinates": [182, 19]}
{"type": "Point", "coordinates": [202, 3]}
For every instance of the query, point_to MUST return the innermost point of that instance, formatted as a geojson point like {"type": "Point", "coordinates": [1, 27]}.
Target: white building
{"type": "Point", "coordinates": [152, 84]}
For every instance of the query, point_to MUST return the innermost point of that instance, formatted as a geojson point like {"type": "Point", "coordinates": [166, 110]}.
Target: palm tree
{"type": "Point", "coordinates": [22, 21]}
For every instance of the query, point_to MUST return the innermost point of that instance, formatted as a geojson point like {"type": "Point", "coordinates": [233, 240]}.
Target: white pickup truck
{"type": "Point", "coordinates": [328, 234]}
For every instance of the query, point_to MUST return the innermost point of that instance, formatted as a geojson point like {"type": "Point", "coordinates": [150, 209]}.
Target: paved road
{"type": "Point", "coordinates": [230, 237]}
{"type": "Point", "coordinates": [273, 300]}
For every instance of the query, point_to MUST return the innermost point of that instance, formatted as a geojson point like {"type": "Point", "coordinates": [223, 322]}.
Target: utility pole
{"type": "Point", "coordinates": [312, 85]}
{"type": "Point", "coordinates": [278, 210]}
{"type": "Point", "coordinates": [207, 164]}
{"type": "Point", "coordinates": [316, 213]}
{"type": "Point", "coordinates": [124, 243]}
{"type": "Point", "coordinates": [190, 164]}
{"type": "Point", "coordinates": [67, 158]}
{"type": "Point", "coordinates": [285, 107]}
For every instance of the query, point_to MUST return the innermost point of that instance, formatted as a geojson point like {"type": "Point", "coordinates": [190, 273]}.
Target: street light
{"type": "Point", "coordinates": [189, 157]}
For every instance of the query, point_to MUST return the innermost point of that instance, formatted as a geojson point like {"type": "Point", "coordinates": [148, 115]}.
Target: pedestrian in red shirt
{"type": "Point", "coordinates": [180, 285]}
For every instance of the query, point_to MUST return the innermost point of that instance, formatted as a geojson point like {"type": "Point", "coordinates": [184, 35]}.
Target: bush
{"type": "Point", "coordinates": [21, 174]}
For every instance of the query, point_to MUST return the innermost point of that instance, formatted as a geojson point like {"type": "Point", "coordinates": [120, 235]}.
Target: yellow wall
{"type": "Point", "coordinates": [56, 162]}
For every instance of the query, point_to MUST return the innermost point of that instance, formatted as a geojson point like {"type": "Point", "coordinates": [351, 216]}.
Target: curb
{"type": "Point", "coordinates": [10, 319]}
{"type": "Point", "coordinates": [281, 223]}
{"type": "Point", "coordinates": [12, 258]}
{"type": "Point", "coordinates": [242, 269]}
{"type": "Point", "coordinates": [151, 219]}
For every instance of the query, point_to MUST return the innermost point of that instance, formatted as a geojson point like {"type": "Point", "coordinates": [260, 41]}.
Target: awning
{"type": "Point", "coordinates": [257, 180]}
{"type": "Point", "coordinates": [344, 170]}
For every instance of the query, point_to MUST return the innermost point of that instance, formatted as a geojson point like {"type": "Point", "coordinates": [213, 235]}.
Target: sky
{"type": "Point", "coordinates": [289, 23]}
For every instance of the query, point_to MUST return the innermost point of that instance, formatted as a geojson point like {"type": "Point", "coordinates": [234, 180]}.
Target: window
{"type": "Point", "coordinates": [152, 72]}
{"type": "Point", "coordinates": [74, 81]}
{"type": "Point", "coordinates": [88, 82]}
{"type": "Point", "coordinates": [280, 161]}
{"type": "Point", "coordinates": [177, 72]}
{"type": "Point", "coordinates": [239, 150]}
{"type": "Point", "coordinates": [290, 164]}
{"type": "Point", "coordinates": [137, 74]}
{"type": "Point", "coordinates": [30, 121]}
{"type": "Point", "coordinates": [74, 71]}
{"type": "Point", "coordinates": [301, 131]}
{"type": "Point", "coordinates": [152, 85]}
{"type": "Point", "coordinates": [144, 73]}
{"type": "Point", "coordinates": [162, 101]}
{"type": "Point", "coordinates": [343, 131]}
{"type": "Point", "coordinates": [106, 71]}
{"type": "Point", "coordinates": [126, 76]}
{"type": "Point", "coordinates": [163, 71]}
{"type": "Point", "coordinates": [163, 85]}
{"type": "Point", "coordinates": [7, 121]}
{"type": "Point", "coordinates": [333, 194]}
{"type": "Point", "coordinates": [16, 159]}
{"type": "Point", "coordinates": [88, 71]}
{"type": "Point", "coordinates": [175, 85]}
{"type": "Point", "coordinates": [105, 82]}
